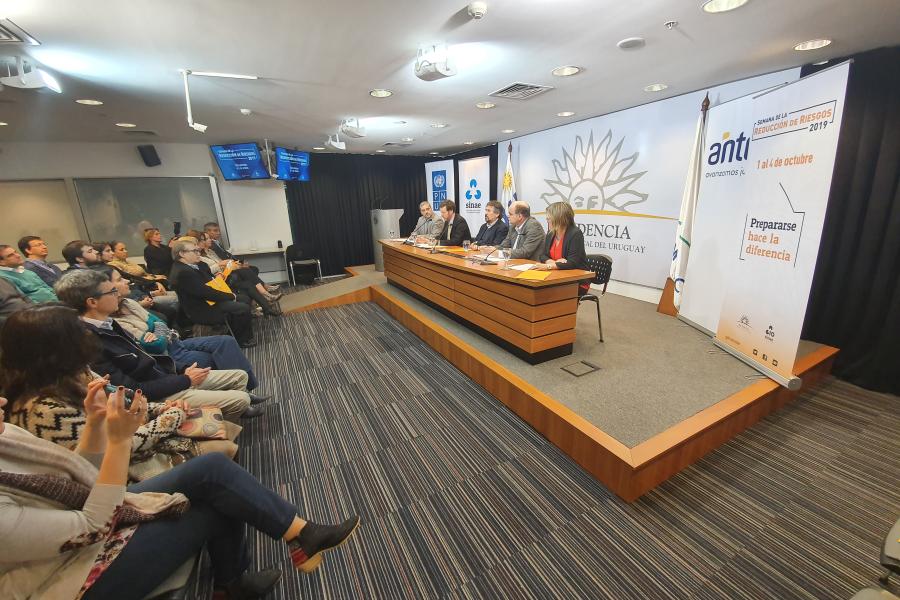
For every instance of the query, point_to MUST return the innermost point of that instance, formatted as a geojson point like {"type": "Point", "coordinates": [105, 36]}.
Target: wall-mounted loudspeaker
{"type": "Point", "coordinates": [149, 155]}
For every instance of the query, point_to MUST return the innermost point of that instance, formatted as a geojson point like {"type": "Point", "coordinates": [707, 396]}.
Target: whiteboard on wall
{"type": "Point", "coordinates": [256, 214]}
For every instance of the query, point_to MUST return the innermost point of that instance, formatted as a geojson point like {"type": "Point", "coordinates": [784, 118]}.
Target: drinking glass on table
{"type": "Point", "coordinates": [466, 244]}
{"type": "Point", "coordinates": [503, 257]}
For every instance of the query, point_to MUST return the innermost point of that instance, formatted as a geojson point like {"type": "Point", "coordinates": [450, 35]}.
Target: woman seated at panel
{"type": "Point", "coordinates": [72, 527]}
{"type": "Point", "coordinates": [564, 244]}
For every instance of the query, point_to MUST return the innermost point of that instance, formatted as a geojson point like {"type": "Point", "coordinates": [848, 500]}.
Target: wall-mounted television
{"type": "Point", "coordinates": [240, 161]}
{"type": "Point", "coordinates": [291, 165]}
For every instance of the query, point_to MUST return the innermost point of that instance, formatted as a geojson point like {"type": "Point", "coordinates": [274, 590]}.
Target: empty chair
{"type": "Point", "coordinates": [874, 593]}
{"type": "Point", "coordinates": [890, 553]}
{"type": "Point", "coordinates": [293, 257]}
{"type": "Point", "coordinates": [601, 265]}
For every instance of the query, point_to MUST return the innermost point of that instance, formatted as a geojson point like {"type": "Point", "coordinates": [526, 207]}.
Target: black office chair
{"type": "Point", "coordinates": [205, 326]}
{"type": "Point", "coordinates": [293, 257]}
{"type": "Point", "coordinates": [601, 265]}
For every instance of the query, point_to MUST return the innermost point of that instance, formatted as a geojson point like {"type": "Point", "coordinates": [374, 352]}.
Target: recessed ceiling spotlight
{"type": "Point", "coordinates": [632, 43]}
{"type": "Point", "coordinates": [485, 105]}
{"type": "Point", "coordinates": [507, 131]}
{"type": "Point", "coordinates": [438, 125]}
{"type": "Point", "coordinates": [399, 122]}
{"type": "Point", "coordinates": [566, 71]}
{"type": "Point", "coordinates": [3, 123]}
{"type": "Point", "coordinates": [811, 45]}
{"type": "Point", "coordinates": [565, 113]}
{"type": "Point", "coordinates": [89, 102]}
{"type": "Point", "coordinates": [468, 143]}
{"type": "Point", "coordinates": [380, 151]}
{"type": "Point", "coordinates": [379, 93]}
{"type": "Point", "coordinates": [655, 87]}
{"type": "Point", "coordinates": [126, 125]}
{"type": "Point", "coordinates": [318, 148]}
{"type": "Point", "coordinates": [407, 139]}
{"type": "Point", "coordinates": [434, 153]}
{"type": "Point", "coordinates": [820, 63]}
{"type": "Point", "coordinates": [720, 6]}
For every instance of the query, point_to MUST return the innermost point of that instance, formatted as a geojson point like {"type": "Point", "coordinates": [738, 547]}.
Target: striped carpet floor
{"type": "Point", "coordinates": [461, 499]}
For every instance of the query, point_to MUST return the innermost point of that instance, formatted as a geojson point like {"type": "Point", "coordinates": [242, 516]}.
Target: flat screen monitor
{"type": "Point", "coordinates": [291, 165]}
{"type": "Point", "coordinates": [240, 161]}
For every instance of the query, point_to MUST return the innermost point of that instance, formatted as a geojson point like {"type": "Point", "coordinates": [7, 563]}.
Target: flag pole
{"type": "Point", "coordinates": [666, 303]}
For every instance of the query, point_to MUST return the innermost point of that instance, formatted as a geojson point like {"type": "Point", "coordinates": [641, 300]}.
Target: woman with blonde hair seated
{"type": "Point", "coordinates": [564, 244]}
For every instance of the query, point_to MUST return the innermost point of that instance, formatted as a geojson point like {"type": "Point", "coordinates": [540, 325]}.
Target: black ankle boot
{"type": "Point", "coordinates": [252, 585]}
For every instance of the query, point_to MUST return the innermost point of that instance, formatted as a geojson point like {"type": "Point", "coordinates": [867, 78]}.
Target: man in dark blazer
{"type": "Point", "coordinates": [455, 230]}
{"type": "Point", "coordinates": [494, 230]}
{"type": "Point", "coordinates": [189, 278]}
{"type": "Point", "coordinates": [526, 236]}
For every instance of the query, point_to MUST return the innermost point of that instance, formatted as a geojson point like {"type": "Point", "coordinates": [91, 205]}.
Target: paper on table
{"type": "Point", "coordinates": [524, 267]}
{"type": "Point", "coordinates": [539, 275]}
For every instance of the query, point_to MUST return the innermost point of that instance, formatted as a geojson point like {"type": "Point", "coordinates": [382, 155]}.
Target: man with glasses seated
{"type": "Point", "coordinates": [190, 277]}
{"type": "Point", "coordinates": [12, 269]}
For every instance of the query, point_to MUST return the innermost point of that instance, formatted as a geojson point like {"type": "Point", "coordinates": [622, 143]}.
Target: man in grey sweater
{"type": "Point", "coordinates": [430, 223]}
{"type": "Point", "coordinates": [526, 235]}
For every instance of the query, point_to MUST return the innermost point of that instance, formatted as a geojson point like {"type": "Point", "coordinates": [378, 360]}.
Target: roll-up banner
{"type": "Point", "coordinates": [440, 181]}
{"type": "Point", "coordinates": [474, 189]}
{"type": "Point", "coordinates": [773, 254]}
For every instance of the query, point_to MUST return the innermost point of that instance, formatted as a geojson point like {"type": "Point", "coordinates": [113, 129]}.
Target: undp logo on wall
{"type": "Point", "coordinates": [438, 187]}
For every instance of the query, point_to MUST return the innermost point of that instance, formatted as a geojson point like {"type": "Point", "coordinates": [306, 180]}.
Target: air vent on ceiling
{"type": "Point", "coordinates": [390, 144]}
{"type": "Point", "coordinates": [140, 132]}
{"type": "Point", "coordinates": [521, 91]}
{"type": "Point", "coordinates": [10, 33]}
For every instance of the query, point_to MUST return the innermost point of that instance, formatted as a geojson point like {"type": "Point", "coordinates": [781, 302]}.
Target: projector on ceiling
{"type": "Point", "coordinates": [335, 144]}
{"type": "Point", "coordinates": [354, 131]}
{"type": "Point", "coordinates": [433, 62]}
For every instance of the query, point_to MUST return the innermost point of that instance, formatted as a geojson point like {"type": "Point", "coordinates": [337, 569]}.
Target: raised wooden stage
{"type": "Point", "coordinates": [628, 471]}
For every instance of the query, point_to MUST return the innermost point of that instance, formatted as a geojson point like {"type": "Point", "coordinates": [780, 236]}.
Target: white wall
{"type": "Point", "coordinates": [253, 210]}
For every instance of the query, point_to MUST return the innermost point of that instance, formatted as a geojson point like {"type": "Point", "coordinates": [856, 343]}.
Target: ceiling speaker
{"type": "Point", "coordinates": [149, 155]}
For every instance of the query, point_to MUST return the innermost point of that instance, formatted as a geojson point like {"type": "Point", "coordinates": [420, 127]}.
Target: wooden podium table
{"type": "Point", "coordinates": [533, 319]}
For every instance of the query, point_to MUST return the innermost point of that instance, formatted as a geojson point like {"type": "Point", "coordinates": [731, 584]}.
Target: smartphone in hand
{"type": "Point", "coordinates": [129, 393]}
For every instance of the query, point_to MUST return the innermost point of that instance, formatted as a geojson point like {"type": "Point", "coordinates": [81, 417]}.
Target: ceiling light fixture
{"type": "Point", "coordinates": [820, 63]}
{"type": "Point", "coordinates": [379, 93]}
{"type": "Point", "coordinates": [720, 6]}
{"type": "Point", "coordinates": [468, 143]}
{"type": "Point", "coordinates": [566, 71]}
{"type": "Point", "coordinates": [433, 62]}
{"type": "Point", "coordinates": [434, 153]}
{"type": "Point", "coordinates": [632, 43]}
{"type": "Point", "coordinates": [89, 102]}
{"type": "Point", "coordinates": [3, 123]}
{"type": "Point", "coordinates": [485, 105]}
{"type": "Point", "coordinates": [565, 113]}
{"type": "Point", "coordinates": [656, 87]}
{"type": "Point", "coordinates": [318, 148]}
{"type": "Point", "coordinates": [350, 130]}
{"type": "Point", "coordinates": [225, 75]}
{"type": "Point", "coordinates": [407, 139]}
{"type": "Point", "coordinates": [126, 125]}
{"type": "Point", "coordinates": [507, 131]}
{"type": "Point", "coordinates": [812, 45]}
{"type": "Point", "coordinates": [380, 151]}
{"type": "Point", "coordinates": [438, 125]}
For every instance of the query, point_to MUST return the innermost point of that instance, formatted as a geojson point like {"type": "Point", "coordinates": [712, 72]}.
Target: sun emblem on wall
{"type": "Point", "coordinates": [594, 177]}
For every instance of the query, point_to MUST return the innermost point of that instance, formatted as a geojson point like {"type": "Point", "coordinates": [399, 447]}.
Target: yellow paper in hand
{"type": "Point", "coordinates": [218, 283]}
{"type": "Point", "coordinates": [532, 274]}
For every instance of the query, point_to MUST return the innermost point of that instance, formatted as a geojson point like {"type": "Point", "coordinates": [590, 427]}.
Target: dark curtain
{"type": "Point", "coordinates": [854, 303]}
{"type": "Point", "coordinates": [330, 213]}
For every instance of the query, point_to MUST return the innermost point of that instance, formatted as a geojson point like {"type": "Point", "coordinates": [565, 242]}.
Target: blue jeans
{"type": "Point", "coordinates": [215, 351]}
{"type": "Point", "coordinates": [223, 498]}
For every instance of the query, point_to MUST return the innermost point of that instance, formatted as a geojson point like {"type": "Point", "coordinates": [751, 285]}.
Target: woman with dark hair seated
{"type": "Point", "coordinates": [45, 382]}
{"type": "Point", "coordinates": [72, 529]}
{"type": "Point", "coordinates": [242, 277]}
{"type": "Point", "coordinates": [564, 244]}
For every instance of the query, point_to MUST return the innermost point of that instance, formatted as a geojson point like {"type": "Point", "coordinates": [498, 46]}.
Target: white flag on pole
{"type": "Point", "coordinates": [508, 193]}
{"type": "Point", "coordinates": [678, 268]}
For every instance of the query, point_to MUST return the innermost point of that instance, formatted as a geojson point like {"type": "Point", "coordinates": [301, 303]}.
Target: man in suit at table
{"type": "Point", "coordinates": [494, 230]}
{"type": "Point", "coordinates": [526, 236]}
{"type": "Point", "coordinates": [455, 230]}
{"type": "Point", "coordinates": [429, 223]}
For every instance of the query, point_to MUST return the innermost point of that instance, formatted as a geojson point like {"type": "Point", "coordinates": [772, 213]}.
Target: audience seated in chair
{"type": "Point", "coordinates": [11, 300]}
{"type": "Point", "coordinates": [190, 277]}
{"type": "Point", "coordinates": [242, 277]}
{"type": "Point", "coordinates": [155, 337]}
{"type": "Point", "coordinates": [35, 252]}
{"type": "Point", "coordinates": [12, 269]}
{"type": "Point", "coordinates": [157, 255]}
{"type": "Point", "coordinates": [72, 527]}
{"type": "Point", "coordinates": [80, 254]}
{"type": "Point", "coordinates": [96, 298]}
{"type": "Point", "coordinates": [163, 300]}
{"type": "Point", "coordinates": [45, 382]}
{"type": "Point", "coordinates": [214, 233]}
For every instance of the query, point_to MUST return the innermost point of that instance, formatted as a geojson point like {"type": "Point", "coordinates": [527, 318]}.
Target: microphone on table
{"type": "Point", "coordinates": [484, 261]}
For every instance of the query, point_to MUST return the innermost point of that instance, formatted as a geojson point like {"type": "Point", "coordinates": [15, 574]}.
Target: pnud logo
{"type": "Point", "coordinates": [729, 150]}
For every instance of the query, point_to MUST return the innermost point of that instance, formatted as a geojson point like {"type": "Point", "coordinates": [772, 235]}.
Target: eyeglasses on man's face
{"type": "Point", "coordinates": [195, 250]}
{"type": "Point", "coordinates": [112, 292]}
